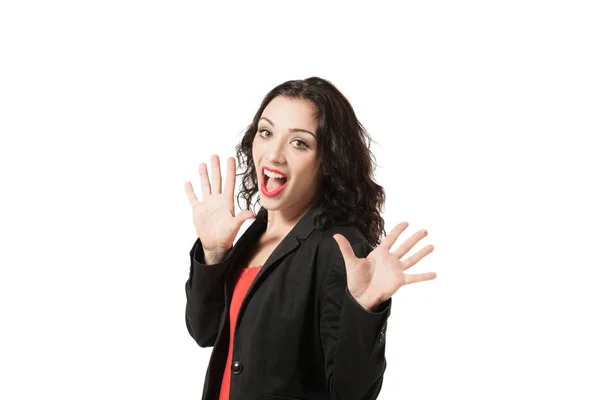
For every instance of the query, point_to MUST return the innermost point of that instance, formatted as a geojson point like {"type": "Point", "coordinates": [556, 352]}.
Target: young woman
{"type": "Point", "coordinates": [298, 307]}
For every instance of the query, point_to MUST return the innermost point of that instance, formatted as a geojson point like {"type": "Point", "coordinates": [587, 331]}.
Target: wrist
{"type": "Point", "coordinates": [213, 257]}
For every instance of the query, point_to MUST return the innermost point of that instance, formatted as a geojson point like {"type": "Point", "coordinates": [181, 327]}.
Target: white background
{"type": "Point", "coordinates": [485, 116]}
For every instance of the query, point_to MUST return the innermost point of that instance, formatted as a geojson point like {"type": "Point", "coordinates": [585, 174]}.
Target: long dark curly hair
{"type": "Point", "coordinates": [349, 194]}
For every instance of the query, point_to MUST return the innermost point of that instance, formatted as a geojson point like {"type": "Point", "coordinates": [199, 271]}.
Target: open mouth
{"type": "Point", "coordinates": [273, 183]}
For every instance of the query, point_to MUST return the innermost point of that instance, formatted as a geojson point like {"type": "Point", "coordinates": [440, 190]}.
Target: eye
{"type": "Point", "coordinates": [303, 144]}
{"type": "Point", "coordinates": [261, 131]}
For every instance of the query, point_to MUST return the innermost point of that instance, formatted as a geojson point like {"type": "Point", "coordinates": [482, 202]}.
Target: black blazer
{"type": "Point", "coordinates": [299, 333]}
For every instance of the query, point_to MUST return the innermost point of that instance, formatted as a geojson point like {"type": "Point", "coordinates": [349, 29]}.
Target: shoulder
{"type": "Point", "coordinates": [328, 249]}
{"type": "Point", "coordinates": [328, 261]}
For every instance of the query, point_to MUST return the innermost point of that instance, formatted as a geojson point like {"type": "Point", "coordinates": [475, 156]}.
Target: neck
{"type": "Point", "coordinates": [279, 222]}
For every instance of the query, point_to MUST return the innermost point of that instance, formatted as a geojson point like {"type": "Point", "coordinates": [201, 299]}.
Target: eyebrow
{"type": "Point", "coordinates": [291, 130]}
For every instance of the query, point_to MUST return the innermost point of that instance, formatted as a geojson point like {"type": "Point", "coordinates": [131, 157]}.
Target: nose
{"type": "Point", "coordinates": [275, 153]}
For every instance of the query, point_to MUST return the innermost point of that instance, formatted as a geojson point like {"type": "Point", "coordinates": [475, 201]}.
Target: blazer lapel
{"type": "Point", "coordinates": [290, 242]}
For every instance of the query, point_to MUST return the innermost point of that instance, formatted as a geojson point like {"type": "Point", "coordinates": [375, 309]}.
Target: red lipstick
{"type": "Point", "coordinates": [263, 185]}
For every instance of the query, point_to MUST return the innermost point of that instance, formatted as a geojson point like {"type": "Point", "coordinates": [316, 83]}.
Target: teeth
{"type": "Point", "coordinates": [273, 174]}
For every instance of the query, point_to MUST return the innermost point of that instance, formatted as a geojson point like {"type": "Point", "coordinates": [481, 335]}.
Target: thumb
{"type": "Point", "coordinates": [243, 216]}
{"type": "Point", "coordinates": [345, 248]}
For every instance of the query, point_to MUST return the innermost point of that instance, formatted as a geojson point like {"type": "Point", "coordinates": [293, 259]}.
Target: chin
{"type": "Point", "coordinates": [271, 205]}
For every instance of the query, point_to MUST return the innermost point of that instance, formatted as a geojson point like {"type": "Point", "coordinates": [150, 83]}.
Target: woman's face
{"type": "Point", "coordinates": [286, 142]}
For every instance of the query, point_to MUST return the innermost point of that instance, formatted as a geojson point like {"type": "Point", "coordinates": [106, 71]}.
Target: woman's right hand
{"type": "Point", "coordinates": [216, 224]}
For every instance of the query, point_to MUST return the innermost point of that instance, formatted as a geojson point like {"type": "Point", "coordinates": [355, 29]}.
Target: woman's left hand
{"type": "Point", "coordinates": [374, 279]}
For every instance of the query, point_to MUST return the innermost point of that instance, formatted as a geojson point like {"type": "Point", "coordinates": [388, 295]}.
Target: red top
{"type": "Point", "coordinates": [242, 284]}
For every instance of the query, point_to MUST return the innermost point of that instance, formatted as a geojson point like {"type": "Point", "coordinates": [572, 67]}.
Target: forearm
{"type": "Point", "coordinates": [205, 296]}
{"type": "Point", "coordinates": [359, 363]}
{"type": "Point", "coordinates": [353, 338]}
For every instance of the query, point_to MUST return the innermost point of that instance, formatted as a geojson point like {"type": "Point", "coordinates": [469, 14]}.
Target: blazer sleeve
{"type": "Point", "coordinates": [205, 296]}
{"type": "Point", "coordinates": [353, 338]}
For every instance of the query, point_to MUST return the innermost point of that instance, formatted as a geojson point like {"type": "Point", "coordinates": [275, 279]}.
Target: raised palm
{"type": "Point", "coordinates": [374, 279]}
{"type": "Point", "coordinates": [214, 217]}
